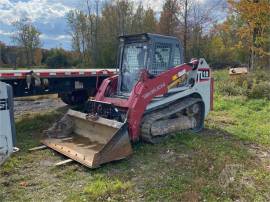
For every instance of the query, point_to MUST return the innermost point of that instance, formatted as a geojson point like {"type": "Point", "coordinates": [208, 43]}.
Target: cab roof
{"type": "Point", "coordinates": [149, 37]}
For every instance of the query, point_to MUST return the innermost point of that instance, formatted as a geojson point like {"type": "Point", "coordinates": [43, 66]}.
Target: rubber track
{"type": "Point", "coordinates": [162, 113]}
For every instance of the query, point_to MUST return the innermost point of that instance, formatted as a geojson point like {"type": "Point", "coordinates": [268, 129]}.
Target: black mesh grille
{"type": "Point", "coordinates": [177, 56]}
{"type": "Point", "coordinates": [134, 59]}
{"type": "Point", "coordinates": [161, 60]}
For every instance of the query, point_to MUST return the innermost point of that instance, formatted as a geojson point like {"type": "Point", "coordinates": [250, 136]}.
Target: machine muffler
{"type": "Point", "coordinates": [90, 141]}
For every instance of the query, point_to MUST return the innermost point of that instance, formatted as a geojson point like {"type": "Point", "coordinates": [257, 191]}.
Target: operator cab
{"type": "Point", "coordinates": [153, 52]}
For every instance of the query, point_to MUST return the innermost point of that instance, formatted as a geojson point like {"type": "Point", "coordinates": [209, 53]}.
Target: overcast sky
{"type": "Point", "coordinates": [49, 17]}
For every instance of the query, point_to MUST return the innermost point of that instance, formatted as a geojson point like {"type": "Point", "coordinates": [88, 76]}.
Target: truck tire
{"type": "Point", "coordinates": [74, 98]}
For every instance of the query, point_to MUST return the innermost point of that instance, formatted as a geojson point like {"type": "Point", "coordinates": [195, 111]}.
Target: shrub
{"type": "Point", "coordinates": [231, 89]}
{"type": "Point", "coordinates": [260, 75]}
{"type": "Point", "coordinates": [241, 80]}
{"type": "Point", "coordinates": [254, 85]}
{"type": "Point", "coordinates": [260, 90]}
{"type": "Point", "coordinates": [57, 60]}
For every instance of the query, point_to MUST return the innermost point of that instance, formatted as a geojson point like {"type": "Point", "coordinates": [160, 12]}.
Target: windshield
{"type": "Point", "coordinates": [134, 59]}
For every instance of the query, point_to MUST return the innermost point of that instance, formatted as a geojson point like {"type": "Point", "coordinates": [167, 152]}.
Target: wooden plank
{"type": "Point", "coordinates": [63, 162]}
{"type": "Point", "coordinates": [38, 148]}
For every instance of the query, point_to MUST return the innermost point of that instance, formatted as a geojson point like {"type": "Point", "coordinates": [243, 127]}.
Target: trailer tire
{"type": "Point", "coordinates": [74, 98]}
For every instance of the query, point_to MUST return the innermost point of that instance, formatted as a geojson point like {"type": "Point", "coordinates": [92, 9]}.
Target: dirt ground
{"type": "Point", "coordinates": [24, 106]}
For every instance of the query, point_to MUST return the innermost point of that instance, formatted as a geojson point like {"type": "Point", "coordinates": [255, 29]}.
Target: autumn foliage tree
{"type": "Point", "coordinates": [27, 37]}
{"type": "Point", "coordinates": [253, 27]}
{"type": "Point", "coordinates": [168, 22]}
{"type": "Point", "coordinates": [38, 56]}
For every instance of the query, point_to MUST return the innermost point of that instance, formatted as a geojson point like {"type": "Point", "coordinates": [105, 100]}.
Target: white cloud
{"type": "Point", "coordinates": [47, 10]}
{"type": "Point", "coordinates": [35, 10]}
{"type": "Point", "coordinates": [156, 5]}
{"type": "Point", "coordinates": [55, 38]}
{"type": "Point", "coordinates": [4, 33]}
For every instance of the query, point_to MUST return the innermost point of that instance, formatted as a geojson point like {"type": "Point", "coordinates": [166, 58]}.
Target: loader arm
{"type": "Point", "coordinates": [142, 94]}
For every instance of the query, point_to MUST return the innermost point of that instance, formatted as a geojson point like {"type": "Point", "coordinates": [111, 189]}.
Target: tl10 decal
{"type": "Point", "coordinates": [204, 74]}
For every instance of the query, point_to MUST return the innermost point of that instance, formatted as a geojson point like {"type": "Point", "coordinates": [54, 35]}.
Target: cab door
{"type": "Point", "coordinates": [134, 59]}
{"type": "Point", "coordinates": [7, 130]}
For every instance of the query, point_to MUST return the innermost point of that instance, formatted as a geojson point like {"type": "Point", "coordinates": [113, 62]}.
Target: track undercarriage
{"type": "Point", "coordinates": [181, 115]}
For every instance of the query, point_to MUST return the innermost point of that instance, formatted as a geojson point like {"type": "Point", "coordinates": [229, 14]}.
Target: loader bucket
{"type": "Point", "coordinates": [90, 142]}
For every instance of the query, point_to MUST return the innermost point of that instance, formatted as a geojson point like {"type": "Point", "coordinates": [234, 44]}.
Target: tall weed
{"type": "Point", "coordinates": [254, 85]}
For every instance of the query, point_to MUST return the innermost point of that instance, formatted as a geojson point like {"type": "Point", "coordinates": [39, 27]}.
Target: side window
{"type": "Point", "coordinates": [161, 59]}
{"type": "Point", "coordinates": [177, 56]}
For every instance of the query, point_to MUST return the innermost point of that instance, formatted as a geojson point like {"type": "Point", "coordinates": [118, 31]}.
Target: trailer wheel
{"type": "Point", "coordinates": [74, 98]}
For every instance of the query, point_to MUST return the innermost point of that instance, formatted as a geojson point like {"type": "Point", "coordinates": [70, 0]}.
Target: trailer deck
{"type": "Point", "coordinates": [54, 73]}
{"type": "Point", "coordinates": [74, 86]}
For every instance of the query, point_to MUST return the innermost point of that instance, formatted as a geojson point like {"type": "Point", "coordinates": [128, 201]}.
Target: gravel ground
{"type": "Point", "coordinates": [22, 107]}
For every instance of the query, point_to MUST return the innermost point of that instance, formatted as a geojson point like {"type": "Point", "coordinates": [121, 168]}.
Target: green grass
{"type": "Point", "coordinates": [247, 119]}
{"type": "Point", "coordinates": [102, 187]}
{"type": "Point", "coordinates": [29, 131]}
{"type": "Point", "coordinates": [228, 161]}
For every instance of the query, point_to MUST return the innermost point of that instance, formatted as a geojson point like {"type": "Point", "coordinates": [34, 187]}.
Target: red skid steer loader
{"type": "Point", "coordinates": [154, 94]}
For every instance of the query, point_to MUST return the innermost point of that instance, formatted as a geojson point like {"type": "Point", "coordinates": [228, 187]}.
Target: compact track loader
{"type": "Point", "coordinates": [154, 95]}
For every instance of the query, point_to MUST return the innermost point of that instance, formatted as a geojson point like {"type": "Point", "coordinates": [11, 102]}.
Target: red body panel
{"type": "Point", "coordinates": [142, 94]}
{"type": "Point", "coordinates": [212, 89]}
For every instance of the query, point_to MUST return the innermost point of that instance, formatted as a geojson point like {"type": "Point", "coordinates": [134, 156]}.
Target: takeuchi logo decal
{"type": "Point", "coordinates": [3, 104]}
{"type": "Point", "coordinates": [154, 90]}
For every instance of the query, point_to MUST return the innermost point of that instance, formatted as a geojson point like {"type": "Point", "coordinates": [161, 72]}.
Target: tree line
{"type": "Point", "coordinates": [17, 57]}
{"type": "Point", "coordinates": [242, 36]}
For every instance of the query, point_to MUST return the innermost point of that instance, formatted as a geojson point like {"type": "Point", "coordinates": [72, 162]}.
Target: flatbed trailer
{"type": "Point", "coordinates": [74, 86]}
